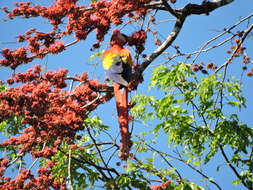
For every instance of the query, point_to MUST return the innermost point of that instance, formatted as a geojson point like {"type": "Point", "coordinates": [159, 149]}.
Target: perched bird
{"type": "Point", "coordinates": [118, 63]}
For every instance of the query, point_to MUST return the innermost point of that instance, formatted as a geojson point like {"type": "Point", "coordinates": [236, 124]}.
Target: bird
{"type": "Point", "coordinates": [117, 62]}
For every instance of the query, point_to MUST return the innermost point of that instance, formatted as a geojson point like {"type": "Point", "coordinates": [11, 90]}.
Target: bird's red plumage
{"type": "Point", "coordinates": [120, 92]}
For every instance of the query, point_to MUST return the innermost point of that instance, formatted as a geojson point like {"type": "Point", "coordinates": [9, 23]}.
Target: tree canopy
{"type": "Point", "coordinates": [58, 117]}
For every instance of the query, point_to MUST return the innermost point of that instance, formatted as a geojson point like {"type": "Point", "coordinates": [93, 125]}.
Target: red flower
{"type": "Point", "coordinates": [73, 146]}
{"type": "Point", "coordinates": [138, 40]}
{"type": "Point", "coordinates": [84, 76]}
{"type": "Point", "coordinates": [209, 65]}
{"type": "Point", "coordinates": [21, 38]}
{"type": "Point", "coordinates": [5, 143]}
{"type": "Point", "coordinates": [4, 163]}
{"type": "Point", "coordinates": [50, 164]}
{"type": "Point", "coordinates": [249, 74]}
{"type": "Point", "coordinates": [195, 68]}
{"type": "Point", "coordinates": [2, 170]}
{"type": "Point", "coordinates": [10, 81]}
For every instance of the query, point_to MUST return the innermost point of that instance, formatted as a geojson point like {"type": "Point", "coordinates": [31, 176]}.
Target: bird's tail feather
{"type": "Point", "coordinates": [121, 96]}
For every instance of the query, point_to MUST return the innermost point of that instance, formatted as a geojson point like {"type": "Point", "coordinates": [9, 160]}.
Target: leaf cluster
{"type": "Point", "coordinates": [198, 114]}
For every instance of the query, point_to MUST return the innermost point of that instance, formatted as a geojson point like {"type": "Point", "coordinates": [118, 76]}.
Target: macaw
{"type": "Point", "coordinates": [118, 63]}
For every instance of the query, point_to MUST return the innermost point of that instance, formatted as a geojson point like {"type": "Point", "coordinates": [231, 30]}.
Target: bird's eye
{"type": "Point", "coordinates": [118, 64]}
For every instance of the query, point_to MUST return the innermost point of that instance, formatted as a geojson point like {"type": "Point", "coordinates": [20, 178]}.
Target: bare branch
{"type": "Point", "coordinates": [168, 7]}
{"type": "Point", "coordinates": [172, 36]}
{"type": "Point", "coordinates": [165, 159]}
{"type": "Point", "coordinates": [153, 171]}
{"type": "Point", "coordinates": [198, 171]}
{"type": "Point", "coordinates": [246, 32]}
{"type": "Point", "coordinates": [34, 162]}
{"type": "Point", "coordinates": [15, 159]}
{"type": "Point", "coordinates": [69, 170]}
{"type": "Point", "coordinates": [205, 8]}
{"type": "Point", "coordinates": [215, 38]}
{"type": "Point", "coordinates": [184, 12]}
{"type": "Point", "coordinates": [99, 152]}
{"type": "Point", "coordinates": [93, 101]}
{"type": "Point", "coordinates": [231, 166]}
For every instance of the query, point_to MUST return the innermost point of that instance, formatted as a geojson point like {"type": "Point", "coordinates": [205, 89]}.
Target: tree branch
{"type": "Point", "coordinates": [172, 36]}
{"type": "Point", "coordinates": [165, 159]}
{"type": "Point", "coordinates": [246, 32]}
{"type": "Point", "coordinates": [34, 162]}
{"type": "Point", "coordinates": [69, 170]}
{"type": "Point", "coordinates": [218, 36]}
{"type": "Point", "coordinates": [198, 171]}
{"type": "Point", "coordinates": [205, 8]}
{"type": "Point", "coordinates": [99, 152]}
{"type": "Point", "coordinates": [168, 7]}
{"type": "Point", "coordinates": [91, 163]}
{"type": "Point", "coordinates": [184, 12]}
{"type": "Point", "coordinates": [231, 166]}
{"type": "Point", "coordinates": [153, 171]}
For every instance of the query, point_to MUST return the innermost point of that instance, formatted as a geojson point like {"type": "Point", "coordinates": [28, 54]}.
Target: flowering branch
{"type": "Point", "coordinates": [246, 33]}
{"type": "Point", "coordinates": [218, 36]}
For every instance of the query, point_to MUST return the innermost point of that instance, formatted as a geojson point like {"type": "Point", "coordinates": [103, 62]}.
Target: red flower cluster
{"type": "Point", "coordinates": [4, 162]}
{"type": "Point", "coordinates": [23, 9]}
{"type": "Point", "coordinates": [246, 60]}
{"type": "Point", "coordinates": [200, 67]}
{"type": "Point", "coordinates": [161, 187]}
{"type": "Point", "coordinates": [211, 65]}
{"type": "Point", "coordinates": [138, 40]}
{"type": "Point", "coordinates": [50, 112]}
{"type": "Point", "coordinates": [44, 180]}
{"type": "Point", "coordinates": [2, 170]}
{"type": "Point", "coordinates": [81, 21]}
{"type": "Point", "coordinates": [14, 58]}
{"type": "Point", "coordinates": [17, 183]}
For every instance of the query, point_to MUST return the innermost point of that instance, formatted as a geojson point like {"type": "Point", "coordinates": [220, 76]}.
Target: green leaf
{"type": "Point", "coordinates": [235, 182]}
{"type": "Point", "coordinates": [98, 54]}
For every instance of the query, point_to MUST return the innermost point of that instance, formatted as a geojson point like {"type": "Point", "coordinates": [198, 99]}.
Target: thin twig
{"type": "Point", "coordinates": [71, 86]}
{"type": "Point", "coordinates": [195, 169]}
{"type": "Point", "coordinates": [99, 152]}
{"type": "Point", "coordinates": [34, 162]}
{"type": "Point", "coordinates": [93, 101]}
{"type": "Point", "coordinates": [148, 169]}
{"type": "Point", "coordinates": [218, 36]}
{"type": "Point", "coordinates": [15, 159]}
{"type": "Point", "coordinates": [246, 32]}
{"type": "Point", "coordinates": [112, 155]}
{"type": "Point", "coordinates": [165, 159]}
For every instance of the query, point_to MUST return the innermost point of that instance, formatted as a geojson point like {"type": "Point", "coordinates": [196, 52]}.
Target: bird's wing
{"type": "Point", "coordinates": [118, 65]}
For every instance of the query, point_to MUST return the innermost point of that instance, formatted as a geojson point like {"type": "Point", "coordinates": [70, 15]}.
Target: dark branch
{"type": "Point", "coordinates": [172, 36]}
{"type": "Point", "coordinates": [204, 8]}
{"type": "Point", "coordinates": [231, 166]}
{"type": "Point", "coordinates": [181, 16]}
{"type": "Point", "coordinates": [168, 7]}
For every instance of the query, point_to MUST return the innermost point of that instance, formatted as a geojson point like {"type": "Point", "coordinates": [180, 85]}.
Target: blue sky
{"type": "Point", "coordinates": [196, 31]}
